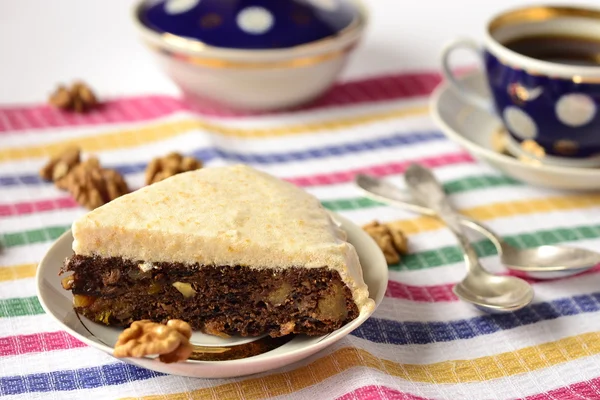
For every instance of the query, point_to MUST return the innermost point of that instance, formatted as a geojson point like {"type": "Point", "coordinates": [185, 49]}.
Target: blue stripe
{"type": "Point", "coordinates": [86, 378]}
{"type": "Point", "coordinates": [401, 333]}
{"type": "Point", "coordinates": [208, 154]}
{"type": "Point", "coordinates": [374, 329]}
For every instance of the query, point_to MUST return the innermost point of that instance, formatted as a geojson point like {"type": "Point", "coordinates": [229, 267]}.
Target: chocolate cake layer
{"type": "Point", "coordinates": [215, 299]}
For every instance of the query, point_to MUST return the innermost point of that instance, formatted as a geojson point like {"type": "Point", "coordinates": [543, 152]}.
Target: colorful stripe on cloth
{"type": "Point", "coordinates": [383, 330]}
{"type": "Point", "coordinates": [422, 343]}
{"type": "Point", "coordinates": [136, 109]}
{"type": "Point", "coordinates": [207, 155]}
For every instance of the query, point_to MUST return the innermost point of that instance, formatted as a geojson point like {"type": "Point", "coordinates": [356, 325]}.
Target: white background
{"type": "Point", "coordinates": [43, 42]}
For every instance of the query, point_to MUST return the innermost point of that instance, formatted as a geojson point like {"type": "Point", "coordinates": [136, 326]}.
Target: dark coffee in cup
{"type": "Point", "coordinates": [562, 49]}
{"type": "Point", "coordinates": [542, 66]}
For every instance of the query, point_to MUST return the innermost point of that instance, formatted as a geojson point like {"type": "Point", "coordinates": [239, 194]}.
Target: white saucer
{"type": "Point", "coordinates": [473, 128]}
{"type": "Point", "coordinates": [57, 302]}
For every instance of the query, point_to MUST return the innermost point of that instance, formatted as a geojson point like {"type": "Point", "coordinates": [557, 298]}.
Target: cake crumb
{"type": "Point", "coordinates": [287, 328]}
{"type": "Point", "coordinates": [143, 338]}
{"type": "Point", "coordinates": [215, 329]}
{"type": "Point", "coordinates": [390, 240]}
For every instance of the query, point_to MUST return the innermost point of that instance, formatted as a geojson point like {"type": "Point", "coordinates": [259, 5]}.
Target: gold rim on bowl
{"type": "Point", "coordinates": [196, 52]}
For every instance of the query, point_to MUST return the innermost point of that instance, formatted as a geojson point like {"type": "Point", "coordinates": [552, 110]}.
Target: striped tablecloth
{"type": "Point", "coordinates": [422, 343]}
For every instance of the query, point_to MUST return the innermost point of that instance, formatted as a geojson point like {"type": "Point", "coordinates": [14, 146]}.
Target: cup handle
{"type": "Point", "coordinates": [465, 92]}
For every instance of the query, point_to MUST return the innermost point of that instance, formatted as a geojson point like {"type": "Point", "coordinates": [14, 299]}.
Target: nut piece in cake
{"type": "Point", "coordinates": [143, 338]}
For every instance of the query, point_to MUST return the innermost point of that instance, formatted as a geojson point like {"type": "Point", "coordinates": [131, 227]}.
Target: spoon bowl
{"type": "Point", "coordinates": [494, 294]}
{"type": "Point", "coordinates": [490, 293]}
{"type": "Point", "coordinates": [555, 258]}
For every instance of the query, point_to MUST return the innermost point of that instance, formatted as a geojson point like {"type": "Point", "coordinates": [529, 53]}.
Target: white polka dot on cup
{"type": "Point", "coordinates": [519, 123]}
{"type": "Point", "coordinates": [179, 6]}
{"type": "Point", "coordinates": [575, 109]}
{"type": "Point", "coordinates": [255, 20]}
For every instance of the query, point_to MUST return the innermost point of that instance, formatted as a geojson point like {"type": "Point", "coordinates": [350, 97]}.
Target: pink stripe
{"type": "Point", "coordinates": [428, 294]}
{"type": "Point", "coordinates": [577, 391]}
{"type": "Point", "coordinates": [380, 170]}
{"type": "Point", "coordinates": [15, 345]}
{"type": "Point", "coordinates": [38, 342]}
{"type": "Point", "coordinates": [30, 207]}
{"type": "Point", "coordinates": [142, 108]}
{"type": "Point", "coordinates": [378, 393]}
{"type": "Point", "coordinates": [443, 293]}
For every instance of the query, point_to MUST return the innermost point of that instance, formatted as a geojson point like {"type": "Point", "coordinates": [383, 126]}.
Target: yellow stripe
{"type": "Point", "coordinates": [17, 272]}
{"type": "Point", "coordinates": [503, 210]}
{"type": "Point", "coordinates": [454, 372]}
{"type": "Point", "coordinates": [139, 136]}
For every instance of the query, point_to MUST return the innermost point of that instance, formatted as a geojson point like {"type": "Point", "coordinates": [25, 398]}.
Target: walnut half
{"type": "Point", "coordinates": [79, 98]}
{"type": "Point", "coordinates": [91, 185]}
{"type": "Point", "coordinates": [88, 182]}
{"type": "Point", "coordinates": [390, 240]}
{"type": "Point", "coordinates": [169, 165]}
{"type": "Point", "coordinates": [143, 338]}
{"type": "Point", "coordinates": [60, 165]}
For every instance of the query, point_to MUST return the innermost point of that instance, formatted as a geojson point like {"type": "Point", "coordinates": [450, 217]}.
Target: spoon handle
{"type": "Point", "coordinates": [426, 189]}
{"type": "Point", "coordinates": [382, 191]}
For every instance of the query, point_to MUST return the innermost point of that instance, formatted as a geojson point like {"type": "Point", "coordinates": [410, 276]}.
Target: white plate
{"type": "Point", "coordinates": [473, 128]}
{"type": "Point", "coordinates": [57, 302]}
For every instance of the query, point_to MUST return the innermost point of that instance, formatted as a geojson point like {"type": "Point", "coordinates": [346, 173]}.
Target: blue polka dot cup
{"type": "Point", "coordinates": [251, 54]}
{"type": "Point", "coordinates": [542, 66]}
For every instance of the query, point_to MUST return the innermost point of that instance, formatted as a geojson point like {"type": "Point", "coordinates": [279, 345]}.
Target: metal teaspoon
{"type": "Point", "coordinates": [542, 262]}
{"type": "Point", "coordinates": [488, 292]}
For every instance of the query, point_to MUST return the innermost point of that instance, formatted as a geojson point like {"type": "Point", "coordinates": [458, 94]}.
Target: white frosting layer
{"type": "Point", "coordinates": [231, 215]}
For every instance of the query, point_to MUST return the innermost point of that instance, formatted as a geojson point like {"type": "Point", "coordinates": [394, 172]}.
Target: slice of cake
{"type": "Point", "coordinates": [230, 250]}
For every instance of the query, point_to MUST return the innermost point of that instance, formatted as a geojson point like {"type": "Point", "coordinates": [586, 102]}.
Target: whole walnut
{"type": "Point", "coordinates": [172, 164]}
{"type": "Point", "coordinates": [143, 338]}
{"type": "Point", "coordinates": [391, 240]}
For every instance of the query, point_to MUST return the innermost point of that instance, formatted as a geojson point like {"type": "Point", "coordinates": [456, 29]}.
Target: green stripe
{"type": "Point", "coordinates": [425, 259]}
{"type": "Point", "coordinates": [20, 307]}
{"type": "Point", "coordinates": [460, 185]}
{"type": "Point", "coordinates": [479, 182]}
{"type": "Point", "coordinates": [452, 187]}
{"type": "Point", "coordinates": [452, 254]}
{"type": "Point", "coordinates": [350, 204]}
{"type": "Point", "coordinates": [33, 236]}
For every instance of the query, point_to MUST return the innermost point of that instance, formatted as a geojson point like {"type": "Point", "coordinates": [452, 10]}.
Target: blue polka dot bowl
{"type": "Point", "coordinates": [549, 106]}
{"type": "Point", "coordinates": [252, 54]}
